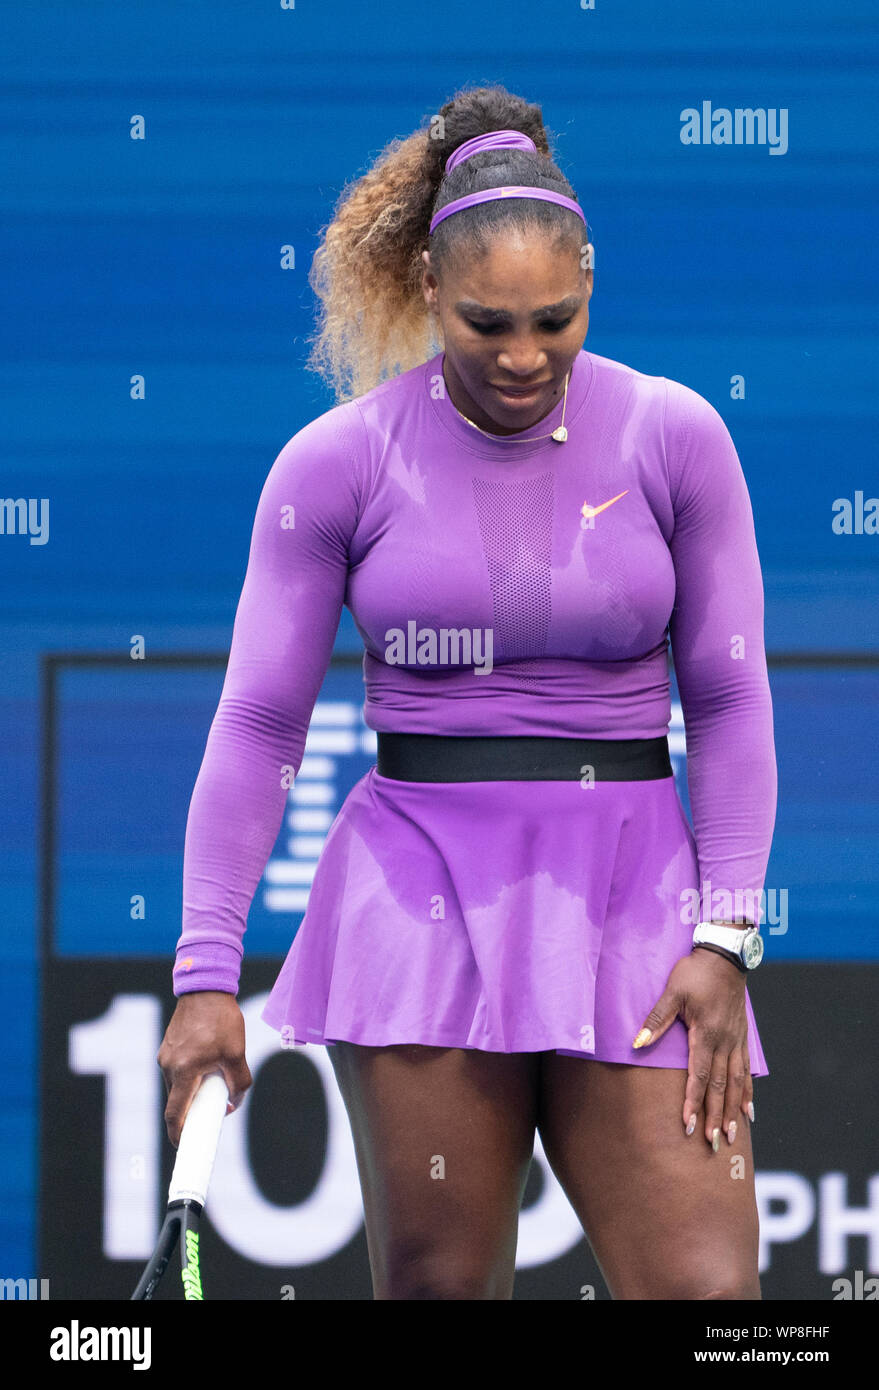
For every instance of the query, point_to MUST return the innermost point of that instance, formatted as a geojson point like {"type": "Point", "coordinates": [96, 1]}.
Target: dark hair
{"type": "Point", "coordinates": [367, 270]}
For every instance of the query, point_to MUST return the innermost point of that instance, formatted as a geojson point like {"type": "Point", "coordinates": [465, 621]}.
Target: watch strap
{"type": "Point", "coordinates": [719, 951]}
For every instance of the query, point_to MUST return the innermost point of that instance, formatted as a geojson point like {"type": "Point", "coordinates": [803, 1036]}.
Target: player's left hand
{"type": "Point", "coordinates": [708, 993]}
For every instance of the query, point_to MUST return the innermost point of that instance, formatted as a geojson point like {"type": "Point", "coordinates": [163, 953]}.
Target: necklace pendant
{"type": "Point", "coordinates": [560, 434]}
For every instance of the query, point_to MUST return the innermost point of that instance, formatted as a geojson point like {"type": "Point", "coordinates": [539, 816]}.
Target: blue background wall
{"type": "Point", "coordinates": [162, 257]}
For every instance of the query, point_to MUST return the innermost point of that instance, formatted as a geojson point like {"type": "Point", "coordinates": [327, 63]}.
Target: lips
{"type": "Point", "coordinates": [517, 395]}
{"type": "Point", "coordinates": [519, 390]}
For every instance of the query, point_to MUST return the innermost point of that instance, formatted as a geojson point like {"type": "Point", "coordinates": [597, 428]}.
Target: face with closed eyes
{"type": "Point", "coordinates": [513, 321]}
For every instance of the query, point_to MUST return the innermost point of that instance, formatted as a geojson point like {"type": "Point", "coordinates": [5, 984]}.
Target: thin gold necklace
{"type": "Point", "coordinates": [559, 434]}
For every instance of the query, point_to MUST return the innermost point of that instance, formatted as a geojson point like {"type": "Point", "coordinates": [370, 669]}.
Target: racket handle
{"type": "Point", "coordinates": [198, 1141]}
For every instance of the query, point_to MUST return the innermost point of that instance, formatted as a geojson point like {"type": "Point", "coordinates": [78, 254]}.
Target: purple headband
{"type": "Point", "coordinates": [501, 140]}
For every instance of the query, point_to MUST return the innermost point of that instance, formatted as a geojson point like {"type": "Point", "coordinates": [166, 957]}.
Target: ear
{"type": "Point", "coordinates": [429, 284]}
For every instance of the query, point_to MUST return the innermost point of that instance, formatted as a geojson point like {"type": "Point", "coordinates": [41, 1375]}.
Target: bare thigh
{"type": "Point", "coordinates": [444, 1139]}
{"type": "Point", "coordinates": [666, 1217]}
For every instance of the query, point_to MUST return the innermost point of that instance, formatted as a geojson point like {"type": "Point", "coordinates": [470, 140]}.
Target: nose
{"type": "Point", "coordinates": [522, 362]}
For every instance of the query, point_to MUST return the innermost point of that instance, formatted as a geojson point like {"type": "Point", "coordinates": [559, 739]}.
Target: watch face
{"type": "Point", "coordinates": [752, 950]}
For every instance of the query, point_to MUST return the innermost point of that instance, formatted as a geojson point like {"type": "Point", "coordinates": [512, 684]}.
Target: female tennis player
{"type": "Point", "coordinates": [512, 927]}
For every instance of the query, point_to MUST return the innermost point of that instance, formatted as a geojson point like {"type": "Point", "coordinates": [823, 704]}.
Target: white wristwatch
{"type": "Point", "coordinates": [744, 943]}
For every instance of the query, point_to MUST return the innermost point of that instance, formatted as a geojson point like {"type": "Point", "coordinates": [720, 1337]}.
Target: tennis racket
{"type": "Point", "coordinates": [186, 1193]}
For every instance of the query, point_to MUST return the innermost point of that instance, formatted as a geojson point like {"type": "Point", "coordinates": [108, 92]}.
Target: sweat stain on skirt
{"type": "Point", "coordinates": [520, 916]}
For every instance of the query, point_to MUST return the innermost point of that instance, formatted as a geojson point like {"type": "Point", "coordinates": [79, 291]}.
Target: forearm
{"type": "Point", "coordinates": [234, 816]}
{"type": "Point", "coordinates": [732, 781]}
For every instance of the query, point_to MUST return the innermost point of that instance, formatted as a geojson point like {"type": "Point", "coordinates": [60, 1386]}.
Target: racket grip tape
{"type": "Point", "coordinates": [198, 1141]}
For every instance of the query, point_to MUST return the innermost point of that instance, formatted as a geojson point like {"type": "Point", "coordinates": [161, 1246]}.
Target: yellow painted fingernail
{"type": "Point", "coordinates": [643, 1037]}
{"type": "Point", "coordinates": [715, 1140]}
{"type": "Point", "coordinates": [731, 1132]}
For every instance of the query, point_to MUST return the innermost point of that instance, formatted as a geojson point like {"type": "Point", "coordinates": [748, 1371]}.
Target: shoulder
{"type": "Point", "coordinates": [669, 418]}
{"type": "Point", "coordinates": [674, 406]}
{"type": "Point", "coordinates": [324, 467]}
{"type": "Point", "coordinates": [329, 465]}
{"type": "Point", "coordinates": [350, 430]}
{"type": "Point", "coordinates": [691, 419]}
{"type": "Point", "coordinates": [391, 407]}
{"type": "Point", "coordinates": [328, 439]}
{"type": "Point", "coordinates": [699, 448]}
{"type": "Point", "coordinates": [704, 469]}
{"type": "Point", "coordinates": [618, 379]}
{"type": "Point", "coordinates": [318, 479]}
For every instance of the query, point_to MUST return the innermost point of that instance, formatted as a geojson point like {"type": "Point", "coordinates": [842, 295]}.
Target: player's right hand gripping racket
{"type": "Point", "coordinates": [186, 1194]}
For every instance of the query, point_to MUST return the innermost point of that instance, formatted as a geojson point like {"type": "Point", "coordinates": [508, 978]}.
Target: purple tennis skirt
{"type": "Point", "coordinates": [509, 916]}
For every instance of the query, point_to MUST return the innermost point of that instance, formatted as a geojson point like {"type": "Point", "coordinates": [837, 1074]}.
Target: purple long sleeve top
{"type": "Point", "coordinates": [395, 506]}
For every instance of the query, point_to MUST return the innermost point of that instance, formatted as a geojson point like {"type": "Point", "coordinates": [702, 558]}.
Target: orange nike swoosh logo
{"type": "Point", "coordinates": [593, 511]}
{"type": "Point", "coordinates": [186, 964]}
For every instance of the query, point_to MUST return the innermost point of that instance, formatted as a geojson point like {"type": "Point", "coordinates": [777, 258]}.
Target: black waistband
{"type": "Point", "coordinates": [450, 758]}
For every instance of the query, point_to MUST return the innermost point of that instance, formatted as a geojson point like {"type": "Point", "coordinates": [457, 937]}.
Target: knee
{"type": "Point", "coordinates": [745, 1290]}
{"type": "Point", "coordinates": [719, 1285]}
{"type": "Point", "coordinates": [439, 1284]}
{"type": "Point", "coordinates": [433, 1276]}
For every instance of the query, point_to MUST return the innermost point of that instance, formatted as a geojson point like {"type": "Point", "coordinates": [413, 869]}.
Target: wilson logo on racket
{"type": "Point", "coordinates": [190, 1273]}
{"type": "Point", "coordinates": [589, 511]}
